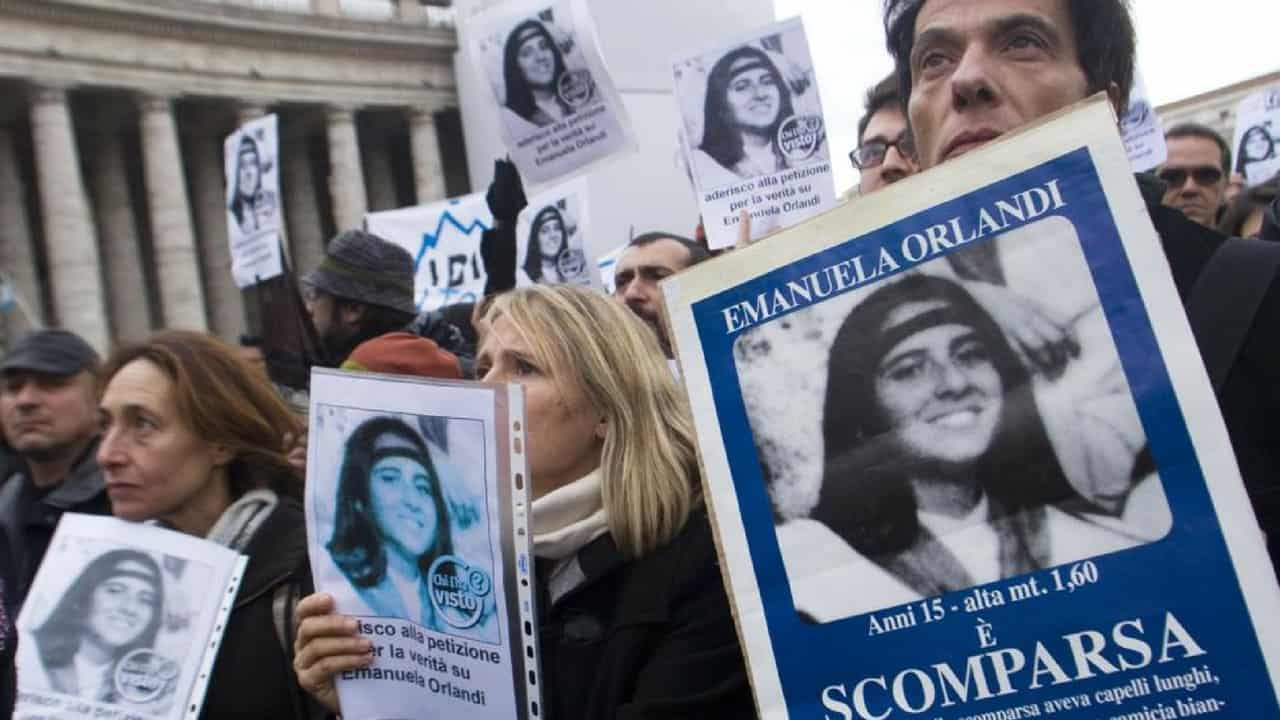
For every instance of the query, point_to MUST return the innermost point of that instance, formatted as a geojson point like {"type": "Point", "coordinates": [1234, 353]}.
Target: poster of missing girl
{"type": "Point", "coordinates": [417, 523]}
{"type": "Point", "coordinates": [1257, 138]}
{"type": "Point", "coordinates": [255, 215]}
{"type": "Point", "coordinates": [997, 484]}
{"type": "Point", "coordinates": [1142, 130]}
{"type": "Point", "coordinates": [123, 622]}
{"type": "Point", "coordinates": [444, 240]}
{"type": "Point", "coordinates": [551, 234]}
{"type": "Point", "coordinates": [560, 110]}
{"type": "Point", "coordinates": [756, 135]}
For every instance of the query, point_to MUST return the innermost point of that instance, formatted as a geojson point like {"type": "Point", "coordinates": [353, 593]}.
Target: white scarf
{"type": "Point", "coordinates": [569, 517]}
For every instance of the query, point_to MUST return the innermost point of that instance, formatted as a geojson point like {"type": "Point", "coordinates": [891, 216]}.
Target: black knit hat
{"type": "Point", "coordinates": [363, 267]}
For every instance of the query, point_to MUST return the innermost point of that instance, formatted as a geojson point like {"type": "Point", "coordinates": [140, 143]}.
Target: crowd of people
{"type": "Point", "coordinates": [185, 431]}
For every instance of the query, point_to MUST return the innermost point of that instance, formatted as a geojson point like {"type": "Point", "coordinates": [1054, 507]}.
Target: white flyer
{"type": "Point", "coordinates": [255, 213]}
{"type": "Point", "coordinates": [116, 627]}
{"type": "Point", "coordinates": [551, 236]}
{"type": "Point", "coordinates": [417, 512]}
{"type": "Point", "coordinates": [1257, 138]}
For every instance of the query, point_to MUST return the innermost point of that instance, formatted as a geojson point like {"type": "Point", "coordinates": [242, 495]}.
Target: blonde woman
{"type": "Point", "coordinates": [634, 619]}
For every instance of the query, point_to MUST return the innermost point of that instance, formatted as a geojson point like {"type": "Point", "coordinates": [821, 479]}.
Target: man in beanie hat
{"type": "Point", "coordinates": [49, 408]}
{"type": "Point", "coordinates": [362, 289]}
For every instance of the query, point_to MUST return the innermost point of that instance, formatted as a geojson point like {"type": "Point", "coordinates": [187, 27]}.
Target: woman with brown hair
{"type": "Point", "coordinates": [195, 439]}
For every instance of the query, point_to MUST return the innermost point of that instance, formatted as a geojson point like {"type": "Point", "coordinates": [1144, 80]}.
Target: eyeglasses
{"type": "Point", "coordinates": [872, 153]}
{"type": "Point", "coordinates": [1204, 176]}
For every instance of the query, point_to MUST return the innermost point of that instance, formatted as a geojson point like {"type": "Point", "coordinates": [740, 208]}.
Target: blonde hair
{"type": "Point", "coordinates": [649, 466]}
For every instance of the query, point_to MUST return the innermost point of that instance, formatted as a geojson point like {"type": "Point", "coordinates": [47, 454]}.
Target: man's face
{"type": "Point", "coordinates": [332, 329]}
{"type": "Point", "coordinates": [48, 416]}
{"type": "Point", "coordinates": [981, 68]}
{"type": "Point", "coordinates": [887, 125]}
{"type": "Point", "coordinates": [637, 275]}
{"type": "Point", "coordinates": [1195, 183]}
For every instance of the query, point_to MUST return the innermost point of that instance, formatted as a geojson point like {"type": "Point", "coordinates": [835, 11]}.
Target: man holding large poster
{"type": "Point", "coordinates": [973, 71]}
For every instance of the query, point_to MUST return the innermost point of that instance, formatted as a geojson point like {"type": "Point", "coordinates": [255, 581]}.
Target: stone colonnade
{"type": "Point", "coordinates": [131, 236]}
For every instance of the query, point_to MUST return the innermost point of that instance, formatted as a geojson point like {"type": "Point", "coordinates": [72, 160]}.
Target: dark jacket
{"type": "Point", "coordinates": [8, 649]}
{"type": "Point", "coordinates": [253, 675]}
{"type": "Point", "coordinates": [28, 520]}
{"type": "Point", "coordinates": [1250, 397]}
{"type": "Point", "coordinates": [650, 638]}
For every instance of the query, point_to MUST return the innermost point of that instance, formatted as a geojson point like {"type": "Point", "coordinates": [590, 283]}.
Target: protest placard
{"type": "Point", "coordinates": [551, 236]}
{"type": "Point", "coordinates": [417, 513]}
{"type": "Point", "coordinates": [1142, 130]}
{"type": "Point", "coordinates": [756, 138]}
{"type": "Point", "coordinates": [444, 239]}
{"type": "Point", "coordinates": [560, 110]}
{"type": "Point", "coordinates": [115, 628]}
{"type": "Point", "coordinates": [605, 265]}
{"type": "Point", "coordinates": [997, 484]}
{"type": "Point", "coordinates": [1257, 137]}
{"type": "Point", "coordinates": [255, 215]}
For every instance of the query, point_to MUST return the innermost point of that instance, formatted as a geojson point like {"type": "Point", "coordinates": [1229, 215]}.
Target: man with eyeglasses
{"type": "Point", "coordinates": [1195, 175]}
{"type": "Point", "coordinates": [885, 153]}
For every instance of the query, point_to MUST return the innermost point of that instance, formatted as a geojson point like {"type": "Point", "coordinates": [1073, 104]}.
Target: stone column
{"type": "Point", "coordinates": [428, 171]}
{"type": "Point", "coordinates": [173, 239]}
{"type": "Point", "coordinates": [346, 182]}
{"type": "Point", "coordinates": [71, 240]}
{"type": "Point", "coordinates": [126, 283]}
{"type": "Point", "coordinates": [326, 7]}
{"type": "Point", "coordinates": [209, 205]}
{"type": "Point", "coordinates": [377, 171]}
{"type": "Point", "coordinates": [17, 251]}
{"type": "Point", "coordinates": [302, 212]}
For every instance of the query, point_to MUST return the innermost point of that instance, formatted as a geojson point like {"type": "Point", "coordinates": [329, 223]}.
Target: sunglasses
{"type": "Point", "coordinates": [872, 153]}
{"type": "Point", "coordinates": [1204, 176]}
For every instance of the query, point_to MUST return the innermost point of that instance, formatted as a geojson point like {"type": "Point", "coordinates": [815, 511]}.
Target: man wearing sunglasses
{"type": "Point", "coordinates": [1195, 175]}
{"type": "Point", "coordinates": [885, 153]}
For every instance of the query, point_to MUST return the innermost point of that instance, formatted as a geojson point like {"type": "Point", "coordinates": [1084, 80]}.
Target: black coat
{"type": "Point", "coordinates": [1250, 397]}
{"type": "Point", "coordinates": [650, 638]}
{"type": "Point", "coordinates": [253, 674]}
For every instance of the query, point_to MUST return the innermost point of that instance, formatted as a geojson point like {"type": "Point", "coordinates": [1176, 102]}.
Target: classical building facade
{"type": "Point", "coordinates": [1216, 108]}
{"type": "Point", "coordinates": [112, 119]}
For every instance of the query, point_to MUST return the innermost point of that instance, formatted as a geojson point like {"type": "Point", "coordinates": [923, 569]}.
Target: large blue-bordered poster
{"type": "Point", "coordinates": [963, 460]}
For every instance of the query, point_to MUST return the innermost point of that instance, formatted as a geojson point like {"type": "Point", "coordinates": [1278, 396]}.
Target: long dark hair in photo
{"type": "Point", "coordinates": [866, 496]}
{"type": "Point", "coordinates": [357, 543]}
{"type": "Point", "coordinates": [59, 638]}
{"type": "Point", "coordinates": [721, 138]}
{"type": "Point", "coordinates": [533, 256]}
{"type": "Point", "coordinates": [1243, 158]}
{"type": "Point", "coordinates": [243, 199]}
{"type": "Point", "coordinates": [519, 95]}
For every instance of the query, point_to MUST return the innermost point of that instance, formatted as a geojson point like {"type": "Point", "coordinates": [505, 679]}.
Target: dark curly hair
{"type": "Point", "coordinates": [357, 543]}
{"type": "Point", "coordinates": [866, 497]}
{"type": "Point", "coordinates": [519, 96]}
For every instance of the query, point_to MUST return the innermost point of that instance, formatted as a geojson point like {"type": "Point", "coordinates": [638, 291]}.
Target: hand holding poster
{"type": "Point", "coordinates": [114, 629]}
{"type": "Point", "coordinates": [416, 517]}
{"type": "Point", "coordinates": [1257, 139]}
{"type": "Point", "coordinates": [551, 235]}
{"type": "Point", "coordinates": [756, 135]}
{"type": "Point", "coordinates": [560, 110]}
{"type": "Point", "coordinates": [444, 239]}
{"type": "Point", "coordinates": [997, 485]}
{"type": "Point", "coordinates": [255, 216]}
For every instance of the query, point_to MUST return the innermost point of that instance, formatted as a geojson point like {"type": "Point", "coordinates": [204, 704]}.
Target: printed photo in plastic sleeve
{"type": "Point", "coordinates": [950, 434]}
{"type": "Point", "coordinates": [407, 527]}
{"type": "Point", "coordinates": [754, 131]}
{"type": "Point", "coordinates": [559, 109]}
{"type": "Point", "coordinates": [113, 627]}
{"type": "Point", "coordinates": [551, 235]}
{"type": "Point", "coordinates": [1257, 137]}
{"type": "Point", "coordinates": [415, 523]}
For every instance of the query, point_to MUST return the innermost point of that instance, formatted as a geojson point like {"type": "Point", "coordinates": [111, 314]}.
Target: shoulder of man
{"type": "Point", "coordinates": [84, 490]}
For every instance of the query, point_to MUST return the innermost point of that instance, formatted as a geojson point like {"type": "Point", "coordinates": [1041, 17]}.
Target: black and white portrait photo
{"type": "Point", "coordinates": [751, 109]}
{"type": "Point", "coordinates": [118, 628]}
{"type": "Point", "coordinates": [551, 239]}
{"type": "Point", "coordinates": [1257, 137]}
{"type": "Point", "coordinates": [949, 427]}
{"type": "Point", "coordinates": [407, 531]}
{"type": "Point", "coordinates": [254, 218]}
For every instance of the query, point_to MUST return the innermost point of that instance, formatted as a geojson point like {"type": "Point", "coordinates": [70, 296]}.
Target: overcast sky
{"type": "Point", "coordinates": [1184, 48]}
